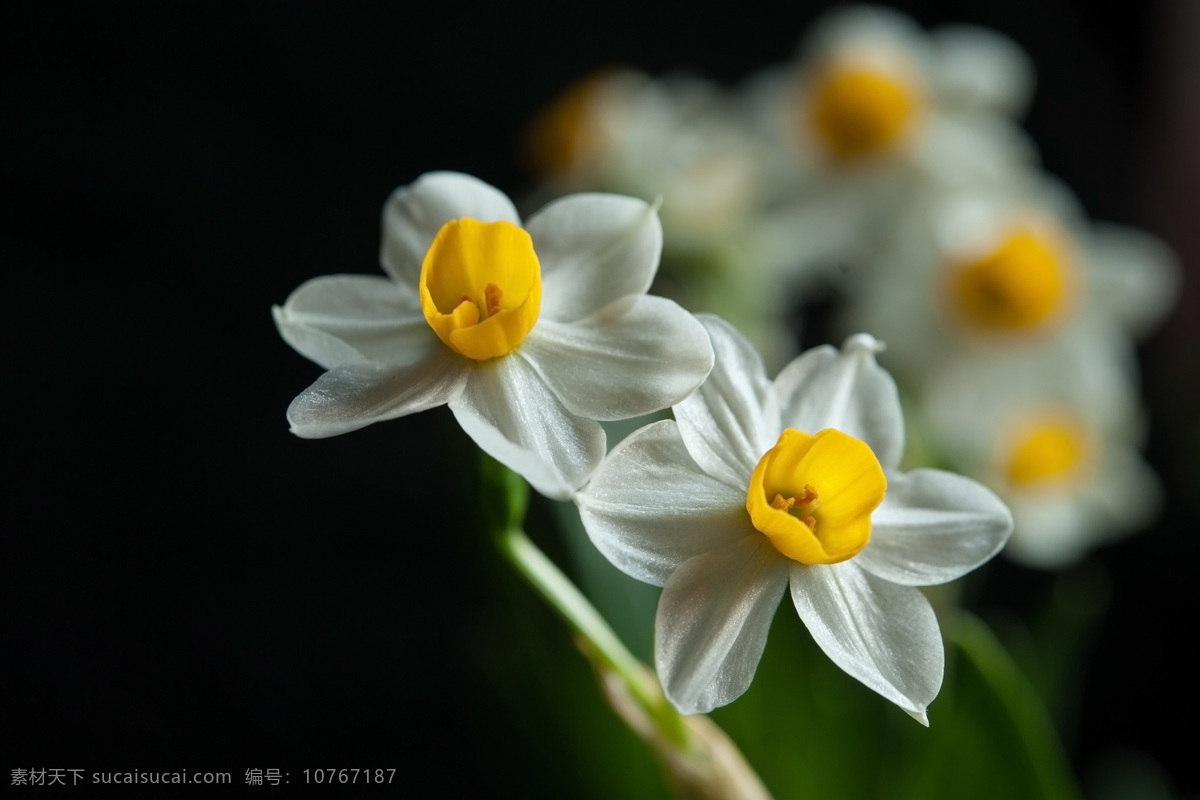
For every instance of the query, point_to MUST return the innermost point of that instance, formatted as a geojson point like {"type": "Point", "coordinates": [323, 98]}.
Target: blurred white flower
{"type": "Point", "coordinates": [758, 485]}
{"type": "Point", "coordinates": [680, 139]}
{"type": "Point", "coordinates": [871, 108]}
{"type": "Point", "coordinates": [676, 138]}
{"type": "Point", "coordinates": [568, 142]}
{"type": "Point", "coordinates": [1056, 434]}
{"type": "Point", "coordinates": [1001, 268]}
{"type": "Point", "coordinates": [529, 334]}
{"type": "Point", "coordinates": [869, 87]}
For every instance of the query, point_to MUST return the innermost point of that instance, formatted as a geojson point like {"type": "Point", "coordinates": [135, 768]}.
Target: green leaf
{"type": "Point", "coordinates": [992, 737]}
{"type": "Point", "coordinates": [812, 731]}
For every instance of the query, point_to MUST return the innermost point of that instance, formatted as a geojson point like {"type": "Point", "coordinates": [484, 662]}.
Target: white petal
{"type": "Point", "coordinates": [864, 25]}
{"type": "Point", "coordinates": [354, 319]}
{"type": "Point", "coordinates": [594, 249]}
{"type": "Point", "coordinates": [1127, 495]}
{"type": "Point", "coordinates": [1056, 527]}
{"type": "Point", "coordinates": [713, 618]}
{"type": "Point", "coordinates": [355, 395]}
{"type": "Point", "coordinates": [724, 423]}
{"type": "Point", "coordinates": [809, 238]}
{"type": "Point", "coordinates": [882, 634]}
{"type": "Point", "coordinates": [846, 390]}
{"type": "Point", "coordinates": [966, 149]}
{"type": "Point", "coordinates": [980, 69]}
{"type": "Point", "coordinates": [1135, 276]}
{"type": "Point", "coordinates": [415, 213]}
{"type": "Point", "coordinates": [649, 508]}
{"type": "Point", "coordinates": [1051, 533]}
{"type": "Point", "coordinates": [933, 527]}
{"type": "Point", "coordinates": [635, 356]}
{"type": "Point", "coordinates": [510, 412]}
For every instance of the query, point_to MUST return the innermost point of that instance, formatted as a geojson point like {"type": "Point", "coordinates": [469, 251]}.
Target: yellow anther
{"type": "Point", "coordinates": [801, 508]}
{"type": "Point", "coordinates": [491, 298]}
{"type": "Point", "coordinates": [808, 500]}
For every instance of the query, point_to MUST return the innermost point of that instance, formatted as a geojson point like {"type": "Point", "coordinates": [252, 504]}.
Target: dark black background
{"type": "Point", "coordinates": [186, 584]}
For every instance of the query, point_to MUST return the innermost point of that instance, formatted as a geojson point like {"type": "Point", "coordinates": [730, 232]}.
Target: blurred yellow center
{"type": "Point", "coordinates": [1052, 450]}
{"type": "Point", "coordinates": [812, 496]}
{"type": "Point", "coordinates": [563, 136]}
{"type": "Point", "coordinates": [481, 287]}
{"type": "Point", "coordinates": [1022, 285]}
{"type": "Point", "coordinates": [858, 111]}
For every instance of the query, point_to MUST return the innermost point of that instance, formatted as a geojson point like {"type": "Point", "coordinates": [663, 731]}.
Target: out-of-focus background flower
{"type": "Point", "coordinates": [188, 586]}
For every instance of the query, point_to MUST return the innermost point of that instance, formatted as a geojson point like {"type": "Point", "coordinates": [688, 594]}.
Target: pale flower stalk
{"type": "Point", "coordinates": [757, 487]}
{"type": "Point", "coordinates": [529, 334]}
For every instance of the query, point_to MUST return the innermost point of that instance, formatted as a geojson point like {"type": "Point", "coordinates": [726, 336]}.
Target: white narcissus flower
{"type": "Point", "coordinates": [677, 137]}
{"type": "Point", "coordinates": [530, 334]}
{"type": "Point", "coordinates": [757, 486]}
{"type": "Point", "coordinates": [872, 109]}
{"type": "Point", "coordinates": [1002, 268]}
{"type": "Point", "coordinates": [870, 88]}
{"type": "Point", "coordinates": [1056, 433]}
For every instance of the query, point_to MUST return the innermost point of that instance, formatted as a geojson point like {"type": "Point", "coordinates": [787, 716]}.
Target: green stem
{"type": "Point", "coordinates": [575, 609]}
{"type": "Point", "coordinates": [700, 760]}
{"type": "Point", "coordinates": [506, 500]}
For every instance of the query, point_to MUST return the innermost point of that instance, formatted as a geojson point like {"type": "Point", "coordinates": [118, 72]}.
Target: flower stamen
{"type": "Point", "coordinates": [491, 299]}
{"type": "Point", "coordinates": [801, 508]}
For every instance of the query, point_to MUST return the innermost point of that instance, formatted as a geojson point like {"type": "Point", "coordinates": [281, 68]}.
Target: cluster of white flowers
{"type": "Point", "coordinates": [532, 334]}
{"type": "Point", "coordinates": [884, 165]}
{"type": "Point", "coordinates": [883, 159]}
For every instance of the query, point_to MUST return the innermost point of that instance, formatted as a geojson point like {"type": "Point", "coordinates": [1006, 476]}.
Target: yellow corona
{"type": "Point", "coordinates": [812, 495]}
{"type": "Point", "coordinates": [858, 112]}
{"type": "Point", "coordinates": [481, 287]}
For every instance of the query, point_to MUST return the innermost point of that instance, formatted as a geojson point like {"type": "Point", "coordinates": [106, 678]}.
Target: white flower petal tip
{"type": "Point", "coordinates": [980, 69]}
{"type": "Point", "coordinates": [883, 634]}
{"type": "Point", "coordinates": [350, 397]}
{"type": "Point", "coordinates": [561, 333]}
{"type": "Point", "coordinates": [675, 505]}
{"type": "Point", "coordinates": [863, 343]}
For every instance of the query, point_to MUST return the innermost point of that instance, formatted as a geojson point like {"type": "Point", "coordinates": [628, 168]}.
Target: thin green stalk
{"type": "Point", "coordinates": [700, 760]}
{"type": "Point", "coordinates": [509, 499]}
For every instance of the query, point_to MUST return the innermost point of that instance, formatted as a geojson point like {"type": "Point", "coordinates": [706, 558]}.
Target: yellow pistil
{"type": "Point", "coordinates": [1024, 284]}
{"type": "Point", "coordinates": [812, 495]}
{"type": "Point", "coordinates": [481, 287]}
{"type": "Point", "coordinates": [1051, 450]}
{"type": "Point", "coordinates": [859, 111]}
